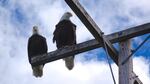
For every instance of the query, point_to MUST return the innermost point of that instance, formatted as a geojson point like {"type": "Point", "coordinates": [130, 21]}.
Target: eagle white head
{"type": "Point", "coordinates": [35, 30]}
{"type": "Point", "coordinates": [66, 16]}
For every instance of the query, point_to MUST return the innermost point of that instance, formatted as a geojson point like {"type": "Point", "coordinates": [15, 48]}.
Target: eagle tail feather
{"type": "Point", "coordinates": [38, 70]}
{"type": "Point", "coordinates": [69, 62]}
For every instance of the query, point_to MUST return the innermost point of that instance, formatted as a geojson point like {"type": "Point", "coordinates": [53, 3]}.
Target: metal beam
{"type": "Point", "coordinates": [130, 32]}
{"type": "Point", "coordinates": [85, 18]}
{"type": "Point", "coordinates": [125, 71]}
{"type": "Point", "coordinates": [91, 25]}
{"type": "Point", "coordinates": [92, 44]}
{"type": "Point", "coordinates": [135, 77]}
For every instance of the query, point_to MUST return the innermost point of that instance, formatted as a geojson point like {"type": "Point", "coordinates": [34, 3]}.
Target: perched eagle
{"type": "Point", "coordinates": [65, 35]}
{"type": "Point", "coordinates": [37, 45]}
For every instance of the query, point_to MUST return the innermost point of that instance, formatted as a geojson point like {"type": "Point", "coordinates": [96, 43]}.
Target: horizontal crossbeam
{"type": "Point", "coordinates": [92, 44]}
{"type": "Point", "coordinates": [91, 25]}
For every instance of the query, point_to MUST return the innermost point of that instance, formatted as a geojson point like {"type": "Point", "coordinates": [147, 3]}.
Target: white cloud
{"type": "Point", "coordinates": [141, 68]}
{"type": "Point", "coordinates": [84, 73]}
{"type": "Point", "coordinates": [115, 15]}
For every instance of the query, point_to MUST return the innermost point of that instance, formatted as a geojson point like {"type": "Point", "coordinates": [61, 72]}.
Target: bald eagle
{"type": "Point", "coordinates": [65, 35]}
{"type": "Point", "coordinates": [37, 45]}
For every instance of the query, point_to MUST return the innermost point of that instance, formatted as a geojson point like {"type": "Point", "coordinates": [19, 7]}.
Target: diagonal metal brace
{"type": "Point", "coordinates": [92, 26]}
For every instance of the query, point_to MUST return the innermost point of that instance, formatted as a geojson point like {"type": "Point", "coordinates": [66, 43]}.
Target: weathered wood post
{"type": "Point", "coordinates": [125, 70]}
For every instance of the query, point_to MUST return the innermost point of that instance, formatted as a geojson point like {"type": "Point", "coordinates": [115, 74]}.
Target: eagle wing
{"type": "Point", "coordinates": [64, 34]}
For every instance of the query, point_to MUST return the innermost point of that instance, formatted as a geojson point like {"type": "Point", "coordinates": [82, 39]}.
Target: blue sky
{"type": "Point", "coordinates": [18, 18]}
{"type": "Point", "coordinates": [118, 22]}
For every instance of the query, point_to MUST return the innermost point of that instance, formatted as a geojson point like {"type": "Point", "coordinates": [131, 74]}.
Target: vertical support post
{"type": "Point", "coordinates": [125, 70]}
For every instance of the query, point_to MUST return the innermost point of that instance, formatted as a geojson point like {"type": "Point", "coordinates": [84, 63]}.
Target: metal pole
{"type": "Point", "coordinates": [125, 71]}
